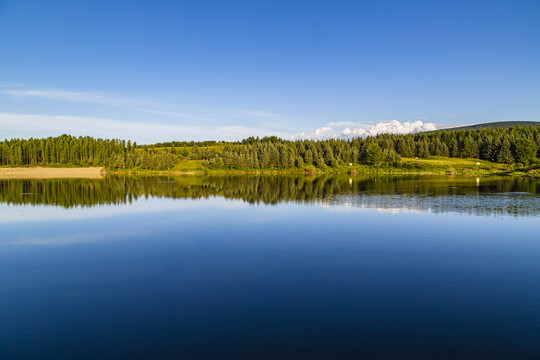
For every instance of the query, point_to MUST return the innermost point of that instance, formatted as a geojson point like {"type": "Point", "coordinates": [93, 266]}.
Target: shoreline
{"type": "Point", "coordinates": [351, 173]}
{"type": "Point", "coordinates": [40, 172]}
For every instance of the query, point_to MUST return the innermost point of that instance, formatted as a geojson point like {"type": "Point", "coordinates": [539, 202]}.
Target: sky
{"type": "Point", "coordinates": [160, 70]}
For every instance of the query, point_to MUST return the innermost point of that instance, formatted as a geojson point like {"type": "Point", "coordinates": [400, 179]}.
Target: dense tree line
{"type": "Point", "coordinates": [519, 144]}
{"type": "Point", "coordinates": [505, 145]}
{"type": "Point", "coordinates": [83, 151]}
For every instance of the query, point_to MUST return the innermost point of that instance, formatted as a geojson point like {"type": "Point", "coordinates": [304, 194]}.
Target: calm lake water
{"type": "Point", "coordinates": [329, 267]}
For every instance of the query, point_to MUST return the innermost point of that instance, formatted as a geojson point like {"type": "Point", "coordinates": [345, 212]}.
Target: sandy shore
{"type": "Point", "coordinates": [51, 173]}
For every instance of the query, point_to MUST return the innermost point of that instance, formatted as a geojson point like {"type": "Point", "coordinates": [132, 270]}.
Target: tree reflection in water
{"type": "Point", "coordinates": [479, 196]}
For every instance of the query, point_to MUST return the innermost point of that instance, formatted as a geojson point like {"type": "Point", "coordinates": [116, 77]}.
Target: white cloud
{"type": "Point", "coordinates": [351, 129]}
{"type": "Point", "coordinates": [325, 132]}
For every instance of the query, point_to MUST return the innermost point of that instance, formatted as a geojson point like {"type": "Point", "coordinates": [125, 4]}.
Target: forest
{"type": "Point", "coordinates": [83, 151]}
{"type": "Point", "coordinates": [514, 145]}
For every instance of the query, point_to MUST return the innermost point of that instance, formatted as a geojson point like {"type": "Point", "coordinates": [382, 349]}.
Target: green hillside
{"type": "Point", "coordinates": [492, 125]}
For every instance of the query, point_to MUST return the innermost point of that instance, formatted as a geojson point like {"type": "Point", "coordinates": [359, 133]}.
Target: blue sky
{"type": "Point", "coordinates": [195, 70]}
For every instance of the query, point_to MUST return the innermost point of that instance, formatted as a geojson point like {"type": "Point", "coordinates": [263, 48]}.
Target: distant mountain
{"type": "Point", "coordinates": [492, 125]}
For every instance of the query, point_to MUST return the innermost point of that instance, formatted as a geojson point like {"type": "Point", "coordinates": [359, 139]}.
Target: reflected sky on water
{"type": "Point", "coordinates": [224, 268]}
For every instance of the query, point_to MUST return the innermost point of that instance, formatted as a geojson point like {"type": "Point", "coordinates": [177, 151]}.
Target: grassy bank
{"type": "Point", "coordinates": [432, 165]}
{"type": "Point", "coordinates": [429, 166]}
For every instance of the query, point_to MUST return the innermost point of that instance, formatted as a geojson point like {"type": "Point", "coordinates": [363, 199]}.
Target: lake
{"type": "Point", "coordinates": [270, 267]}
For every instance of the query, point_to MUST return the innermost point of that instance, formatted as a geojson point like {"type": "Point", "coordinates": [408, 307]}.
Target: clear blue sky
{"type": "Point", "coordinates": [182, 70]}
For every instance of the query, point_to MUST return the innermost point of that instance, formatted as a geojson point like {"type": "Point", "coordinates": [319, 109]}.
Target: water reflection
{"type": "Point", "coordinates": [471, 195]}
{"type": "Point", "coordinates": [92, 269]}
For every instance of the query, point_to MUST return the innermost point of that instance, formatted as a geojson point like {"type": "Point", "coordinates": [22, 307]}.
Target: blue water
{"type": "Point", "coordinates": [357, 275]}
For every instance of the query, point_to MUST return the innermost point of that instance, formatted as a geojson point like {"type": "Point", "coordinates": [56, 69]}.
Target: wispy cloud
{"type": "Point", "coordinates": [168, 124]}
{"type": "Point", "coordinates": [32, 125]}
{"type": "Point", "coordinates": [174, 114]}
{"type": "Point", "coordinates": [71, 96]}
{"type": "Point", "coordinates": [258, 113]}
{"type": "Point", "coordinates": [164, 110]}
{"type": "Point", "coordinates": [336, 130]}
{"type": "Point", "coordinates": [163, 126]}
{"type": "Point", "coordinates": [101, 98]}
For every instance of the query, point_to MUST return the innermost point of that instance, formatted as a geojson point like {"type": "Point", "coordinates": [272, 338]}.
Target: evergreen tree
{"type": "Point", "coordinates": [374, 155]}
{"type": "Point", "coordinates": [505, 154]}
{"type": "Point", "coordinates": [525, 151]}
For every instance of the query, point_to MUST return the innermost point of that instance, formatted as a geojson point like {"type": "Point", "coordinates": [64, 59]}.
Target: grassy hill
{"type": "Point", "coordinates": [492, 125]}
